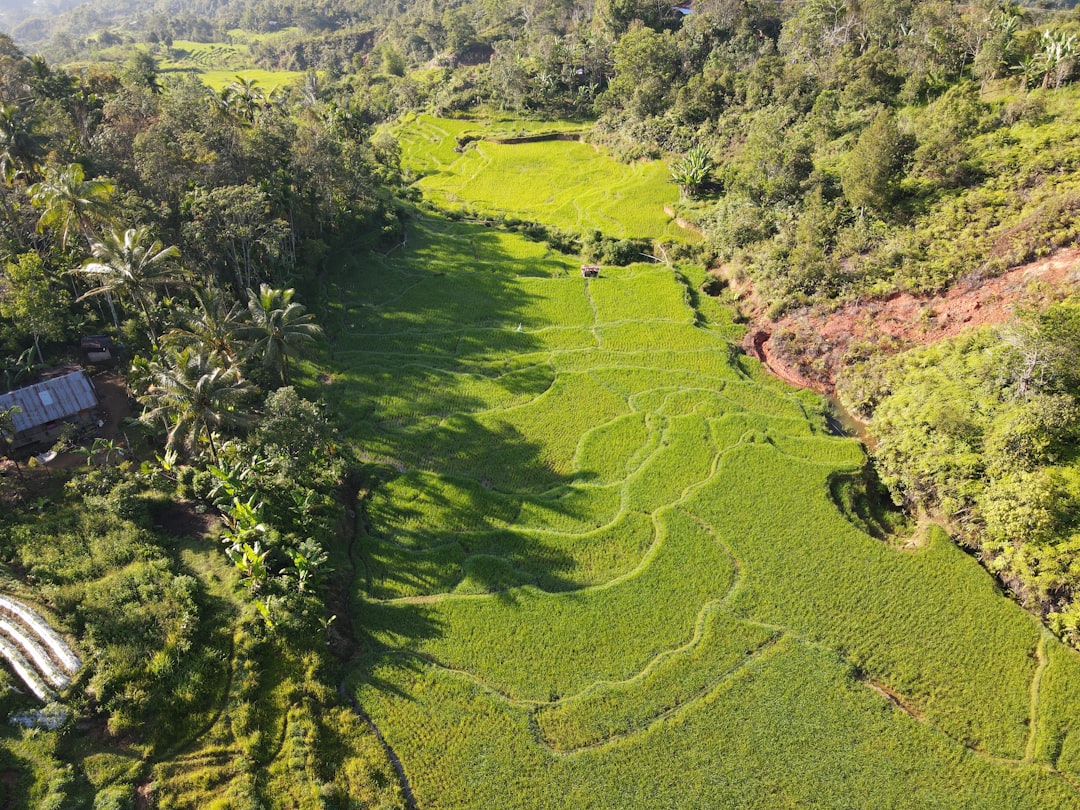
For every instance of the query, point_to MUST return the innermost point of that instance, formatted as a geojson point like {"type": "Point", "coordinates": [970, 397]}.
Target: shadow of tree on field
{"type": "Point", "coordinates": [455, 307]}
{"type": "Point", "coordinates": [452, 523]}
{"type": "Point", "coordinates": [385, 631]}
{"type": "Point", "coordinates": [17, 772]}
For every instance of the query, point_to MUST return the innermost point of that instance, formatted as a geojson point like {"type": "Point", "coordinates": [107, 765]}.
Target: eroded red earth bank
{"type": "Point", "coordinates": [808, 348]}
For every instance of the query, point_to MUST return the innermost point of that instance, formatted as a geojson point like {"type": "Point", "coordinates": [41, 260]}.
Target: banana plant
{"type": "Point", "coordinates": [243, 522]}
{"type": "Point", "coordinates": [250, 560]}
{"type": "Point", "coordinates": [308, 561]}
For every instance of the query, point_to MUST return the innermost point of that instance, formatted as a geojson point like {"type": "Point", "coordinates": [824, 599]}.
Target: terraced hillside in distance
{"type": "Point", "coordinates": [560, 181]}
{"type": "Point", "coordinates": [599, 563]}
{"type": "Point", "coordinates": [218, 65]}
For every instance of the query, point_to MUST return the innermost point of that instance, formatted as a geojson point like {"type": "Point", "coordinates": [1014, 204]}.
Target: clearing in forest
{"type": "Point", "coordinates": [561, 182]}
{"type": "Point", "coordinates": [602, 567]}
{"type": "Point", "coordinates": [219, 64]}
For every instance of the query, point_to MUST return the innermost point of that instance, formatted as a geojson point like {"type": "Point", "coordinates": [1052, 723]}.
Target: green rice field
{"type": "Point", "coordinates": [218, 65]}
{"type": "Point", "coordinates": [565, 183]}
{"type": "Point", "coordinates": [599, 564]}
{"type": "Point", "coordinates": [268, 80]}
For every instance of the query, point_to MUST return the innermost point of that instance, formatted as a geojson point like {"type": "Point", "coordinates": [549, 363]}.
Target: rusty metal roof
{"type": "Point", "coordinates": [50, 400]}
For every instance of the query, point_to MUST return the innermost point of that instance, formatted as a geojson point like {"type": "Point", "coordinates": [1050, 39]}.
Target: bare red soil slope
{"type": "Point", "coordinates": [808, 348]}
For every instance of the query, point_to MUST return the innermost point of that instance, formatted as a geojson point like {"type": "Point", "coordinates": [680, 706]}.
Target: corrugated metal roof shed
{"type": "Point", "coordinates": [50, 400]}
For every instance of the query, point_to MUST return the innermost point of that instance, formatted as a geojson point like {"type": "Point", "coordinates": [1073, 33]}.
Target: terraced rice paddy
{"type": "Point", "coordinates": [564, 183]}
{"type": "Point", "coordinates": [218, 65]}
{"type": "Point", "coordinates": [268, 80]}
{"type": "Point", "coordinates": [602, 568]}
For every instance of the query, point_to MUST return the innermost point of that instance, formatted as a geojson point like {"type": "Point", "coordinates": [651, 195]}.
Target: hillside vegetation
{"type": "Point", "coordinates": [409, 512]}
{"type": "Point", "coordinates": [981, 430]}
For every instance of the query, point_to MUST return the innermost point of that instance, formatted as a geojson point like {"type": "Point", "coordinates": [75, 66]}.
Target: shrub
{"type": "Point", "coordinates": [128, 503]}
{"type": "Point", "coordinates": [115, 797]}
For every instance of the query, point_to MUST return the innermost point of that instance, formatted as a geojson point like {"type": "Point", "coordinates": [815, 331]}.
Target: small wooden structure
{"type": "Point", "coordinates": [98, 349]}
{"type": "Point", "coordinates": [590, 270]}
{"type": "Point", "coordinates": [45, 407]}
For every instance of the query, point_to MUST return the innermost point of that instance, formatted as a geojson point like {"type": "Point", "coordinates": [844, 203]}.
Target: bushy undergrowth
{"type": "Point", "coordinates": [135, 612]}
{"type": "Point", "coordinates": [185, 693]}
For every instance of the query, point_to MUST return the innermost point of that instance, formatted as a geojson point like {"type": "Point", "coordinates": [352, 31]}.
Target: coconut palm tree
{"type": "Point", "coordinates": [210, 328]}
{"type": "Point", "coordinates": [277, 326]}
{"type": "Point", "coordinates": [192, 396]}
{"type": "Point", "coordinates": [71, 202]}
{"type": "Point", "coordinates": [130, 264]}
{"type": "Point", "coordinates": [19, 147]}
{"type": "Point", "coordinates": [242, 99]}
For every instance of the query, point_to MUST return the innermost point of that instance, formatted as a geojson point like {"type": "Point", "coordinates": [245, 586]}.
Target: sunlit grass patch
{"type": "Point", "coordinates": [660, 335]}
{"type": "Point", "coordinates": [562, 183]}
{"type": "Point", "coordinates": [609, 452]}
{"type": "Point", "coordinates": [639, 292]}
{"type": "Point", "coordinates": [907, 619]}
{"type": "Point", "coordinates": [608, 711]}
{"type": "Point", "coordinates": [646, 387]}
{"type": "Point", "coordinates": [268, 79]}
{"type": "Point", "coordinates": [1057, 737]}
{"type": "Point", "coordinates": [684, 458]}
{"type": "Point", "coordinates": [713, 363]}
{"type": "Point", "coordinates": [795, 705]}
{"type": "Point", "coordinates": [706, 402]}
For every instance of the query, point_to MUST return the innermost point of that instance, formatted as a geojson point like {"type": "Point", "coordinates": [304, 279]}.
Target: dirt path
{"type": "Point", "coordinates": [1036, 681]}
{"type": "Point", "coordinates": [807, 348]}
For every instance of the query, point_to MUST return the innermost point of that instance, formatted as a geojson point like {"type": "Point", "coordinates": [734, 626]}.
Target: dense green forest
{"type": "Point", "coordinates": [835, 145]}
{"type": "Point", "coordinates": [815, 153]}
{"type": "Point", "coordinates": [182, 223]}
